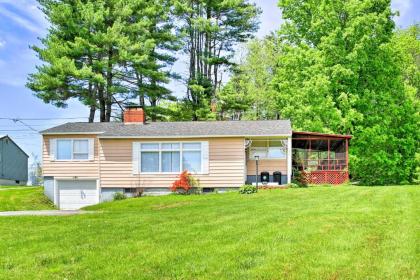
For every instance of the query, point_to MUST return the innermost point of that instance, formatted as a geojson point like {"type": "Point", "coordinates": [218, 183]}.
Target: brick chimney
{"type": "Point", "coordinates": [134, 114]}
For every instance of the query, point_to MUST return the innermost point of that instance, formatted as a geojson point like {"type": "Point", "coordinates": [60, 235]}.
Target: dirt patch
{"type": "Point", "coordinates": [172, 205]}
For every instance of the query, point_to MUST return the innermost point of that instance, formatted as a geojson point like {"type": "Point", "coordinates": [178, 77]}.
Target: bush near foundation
{"type": "Point", "coordinates": [185, 184]}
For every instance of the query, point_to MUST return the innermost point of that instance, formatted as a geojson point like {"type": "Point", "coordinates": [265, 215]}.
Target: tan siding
{"type": "Point", "coordinates": [226, 164]}
{"type": "Point", "coordinates": [68, 169]}
{"type": "Point", "coordinates": [268, 166]}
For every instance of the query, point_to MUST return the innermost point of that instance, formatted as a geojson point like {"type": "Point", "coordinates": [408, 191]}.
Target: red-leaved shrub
{"type": "Point", "coordinates": [183, 183]}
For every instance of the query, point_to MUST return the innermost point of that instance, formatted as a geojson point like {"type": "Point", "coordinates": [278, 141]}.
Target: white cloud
{"type": "Point", "coordinates": [21, 21]}
{"type": "Point", "coordinates": [2, 43]}
{"type": "Point", "coordinates": [33, 19]}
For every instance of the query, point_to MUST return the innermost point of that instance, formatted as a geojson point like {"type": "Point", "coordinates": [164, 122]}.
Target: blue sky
{"type": "Point", "coordinates": [21, 23]}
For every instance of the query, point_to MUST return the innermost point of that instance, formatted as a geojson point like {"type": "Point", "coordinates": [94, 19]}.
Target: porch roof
{"type": "Point", "coordinates": [307, 134]}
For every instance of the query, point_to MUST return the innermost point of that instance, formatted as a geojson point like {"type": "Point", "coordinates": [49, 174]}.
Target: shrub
{"type": "Point", "coordinates": [185, 184]}
{"type": "Point", "coordinates": [298, 180]}
{"type": "Point", "coordinates": [293, 186]}
{"type": "Point", "coordinates": [119, 196]}
{"type": "Point", "coordinates": [248, 189]}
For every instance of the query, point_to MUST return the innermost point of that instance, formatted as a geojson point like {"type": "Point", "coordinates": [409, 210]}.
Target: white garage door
{"type": "Point", "coordinates": [74, 195]}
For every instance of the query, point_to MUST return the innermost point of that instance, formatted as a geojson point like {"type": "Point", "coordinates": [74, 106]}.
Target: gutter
{"type": "Point", "coordinates": [190, 136]}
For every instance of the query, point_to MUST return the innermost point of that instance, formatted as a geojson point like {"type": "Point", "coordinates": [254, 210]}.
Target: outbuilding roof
{"type": "Point", "coordinates": [177, 129]}
{"type": "Point", "coordinates": [11, 140]}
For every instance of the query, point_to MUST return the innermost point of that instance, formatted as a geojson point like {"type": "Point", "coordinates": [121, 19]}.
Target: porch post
{"type": "Point", "coordinates": [347, 153]}
{"type": "Point", "coordinates": [347, 173]}
{"type": "Point", "coordinates": [328, 166]}
{"type": "Point", "coordinates": [289, 160]}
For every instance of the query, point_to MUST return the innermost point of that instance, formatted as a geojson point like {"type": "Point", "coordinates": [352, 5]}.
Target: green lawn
{"type": "Point", "coordinates": [13, 198]}
{"type": "Point", "coordinates": [314, 233]}
{"type": "Point", "coordinates": [13, 187]}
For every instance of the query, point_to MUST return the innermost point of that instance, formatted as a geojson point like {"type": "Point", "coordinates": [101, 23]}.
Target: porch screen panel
{"type": "Point", "coordinates": [338, 154]}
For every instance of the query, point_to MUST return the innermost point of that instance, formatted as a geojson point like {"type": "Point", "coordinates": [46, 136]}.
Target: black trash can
{"type": "Point", "coordinates": [265, 177]}
{"type": "Point", "coordinates": [277, 177]}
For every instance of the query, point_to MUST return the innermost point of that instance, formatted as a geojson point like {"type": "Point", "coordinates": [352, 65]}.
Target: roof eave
{"type": "Point", "coordinates": [11, 140]}
{"type": "Point", "coordinates": [70, 133]}
{"type": "Point", "coordinates": [189, 136]}
{"type": "Point", "coordinates": [323, 134]}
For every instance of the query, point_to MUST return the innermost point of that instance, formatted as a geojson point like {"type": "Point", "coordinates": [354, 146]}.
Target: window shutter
{"type": "Point", "coordinates": [205, 157]}
{"type": "Point", "coordinates": [136, 159]}
{"type": "Point", "coordinates": [91, 149]}
{"type": "Point", "coordinates": [53, 145]}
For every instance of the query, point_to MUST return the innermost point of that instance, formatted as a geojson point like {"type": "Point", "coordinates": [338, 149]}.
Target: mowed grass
{"type": "Point", "coordinates": [13, 187]}
{"type": "Point", "coordinates": [314, 233]}
{"type": "Point", "coordinates": [14, 198]}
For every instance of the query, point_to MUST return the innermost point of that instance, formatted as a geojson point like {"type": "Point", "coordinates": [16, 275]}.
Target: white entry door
{"type": "Point", "coordinates": [73, 195]}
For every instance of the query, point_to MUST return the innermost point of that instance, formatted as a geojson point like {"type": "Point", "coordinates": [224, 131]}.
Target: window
{"type": "Point", "coordinates": [268, 149]}
{"type": "Point", "coordinates": [64, 150]}
{"type": "Point", "coordinates": [80, 149]}
{"type": "Point", "coordinates": [72, 149]}
{"type": "Point", "coordinates": [150, 158]}
{"type": "Point", "coordinates": [191, 157]}
{"type": "Point", "coordinates": [170, 157]}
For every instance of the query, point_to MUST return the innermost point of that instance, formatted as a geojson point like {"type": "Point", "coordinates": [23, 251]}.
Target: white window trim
{"type": "Point", "coordinates": [89, 158]}
{"type": "Point", "coordinates": [181, 150]}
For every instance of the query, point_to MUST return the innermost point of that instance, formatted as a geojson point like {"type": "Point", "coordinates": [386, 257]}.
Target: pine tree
{"type": "Point", "coordinates": [212, 29]}
{"type": "Point", "coordinates": [92, 49]}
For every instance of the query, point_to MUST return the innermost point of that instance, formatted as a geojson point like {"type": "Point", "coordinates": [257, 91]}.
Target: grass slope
{"type": "Point", "coordinates": [23, 198]}
{"type": "Point", "coordinates": [315, 233]}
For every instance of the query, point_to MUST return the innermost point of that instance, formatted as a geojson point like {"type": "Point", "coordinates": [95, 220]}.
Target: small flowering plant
{"type": "Point", "coordinates": [185, 183]}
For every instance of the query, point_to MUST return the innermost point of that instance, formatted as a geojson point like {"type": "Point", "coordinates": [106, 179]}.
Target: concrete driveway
{"type": "Point", "coordinates": [44, 213]}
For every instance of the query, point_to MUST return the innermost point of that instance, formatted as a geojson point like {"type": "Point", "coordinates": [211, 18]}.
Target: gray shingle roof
{"type": "Point", "coordinates": [178, 129]}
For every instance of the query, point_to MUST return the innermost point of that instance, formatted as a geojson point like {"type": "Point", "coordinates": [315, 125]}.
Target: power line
{"type": "Point", "coordinates": [41, 119]}
{"type": "Point", "coordinates": [21, 121]}
{"type": "Point", "coordinates": [22, 130]}
{"type": "Point", "coordinates": [25, 124]}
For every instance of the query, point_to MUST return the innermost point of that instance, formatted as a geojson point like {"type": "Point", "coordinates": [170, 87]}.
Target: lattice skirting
{"type": "Point", "coordinates": [326, 177]}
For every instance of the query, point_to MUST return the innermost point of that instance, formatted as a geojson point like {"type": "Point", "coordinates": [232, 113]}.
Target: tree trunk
{"type": "Point", "coordinates": [109, 93]}
{"type": "Point", "coordinates": [108, 111]}
{"type": "Point", "coordinates": [101, 103]}
{"type": "Point", "coordinates": [92, 113]}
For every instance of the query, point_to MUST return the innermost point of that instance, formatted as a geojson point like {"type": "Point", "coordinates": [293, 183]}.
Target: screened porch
{"type": "Point", "coordinates": [321, 158]}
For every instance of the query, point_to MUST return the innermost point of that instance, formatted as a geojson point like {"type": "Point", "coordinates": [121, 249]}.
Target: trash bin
{"type": "Point", "coordinates": [265, 177]}
{"type": "Point", "coordinates": [277, 177]}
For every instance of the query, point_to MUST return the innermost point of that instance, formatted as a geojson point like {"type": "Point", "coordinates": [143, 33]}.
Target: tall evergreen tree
{"type": "Point", "coordinates": [212, 29]}
{"type": "Point", "coordinates": [151, 76]}
{"type": "Point", "coordinates": [92, 46]}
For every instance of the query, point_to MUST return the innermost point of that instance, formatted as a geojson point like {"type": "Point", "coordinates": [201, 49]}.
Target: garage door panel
{"type": "Point", "coordinates": [77, 194]}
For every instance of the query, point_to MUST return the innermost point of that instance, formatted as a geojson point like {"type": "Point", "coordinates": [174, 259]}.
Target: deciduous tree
{"type": "Point", "coordinates": [340, 72]}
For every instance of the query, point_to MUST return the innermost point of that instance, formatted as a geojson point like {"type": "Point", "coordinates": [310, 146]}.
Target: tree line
{"type": "Point", "coordinates": [332, 66]}
{"type": "Point", "coordinates": [338, 67]}
{"type": "Point", "coordinates": [112, 52]}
